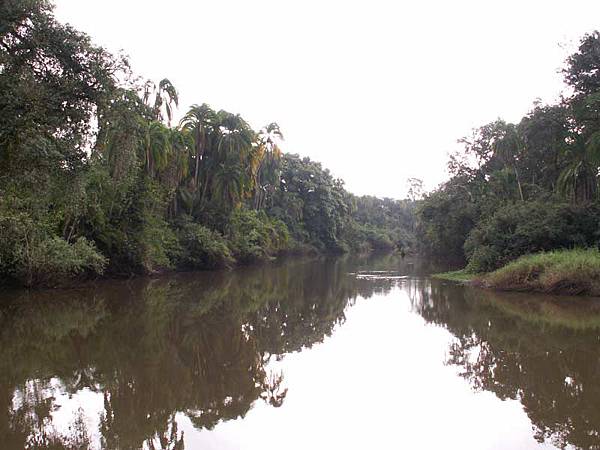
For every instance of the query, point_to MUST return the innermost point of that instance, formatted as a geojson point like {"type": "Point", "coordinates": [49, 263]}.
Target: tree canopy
{"type": "Point", "coordinates": [524, 187]}
{"type": "Point", "coordinates": [97, 176]}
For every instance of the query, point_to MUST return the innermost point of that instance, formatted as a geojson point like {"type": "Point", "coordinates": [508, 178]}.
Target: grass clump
{"type": "Point", "coordinates": [563, 272]}
{"type": "Point", "coordinates": [455, 275]}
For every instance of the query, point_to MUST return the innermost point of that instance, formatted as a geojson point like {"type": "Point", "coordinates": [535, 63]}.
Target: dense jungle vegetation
{"type": "Point", "coordinates": [520, 188]}
{"type": "Point", "coordinates": [96, 176]}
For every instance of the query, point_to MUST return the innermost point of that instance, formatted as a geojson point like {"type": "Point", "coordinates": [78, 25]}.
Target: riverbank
{"type": "Point", "coordinates": [306, 253]}
{"type": "Point", "coordinates": [560, 272]}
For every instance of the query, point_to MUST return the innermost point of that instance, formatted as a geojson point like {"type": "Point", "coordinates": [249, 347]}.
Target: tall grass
{"type": "Point", "coordinates": [566, 272]}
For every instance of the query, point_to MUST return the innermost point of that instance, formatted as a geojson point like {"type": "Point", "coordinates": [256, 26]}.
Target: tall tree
{"type": "Point", "coordinates": [200, 122]}
{"type": "Point", "coordinates": [165, 97]}
{"type": "Point", "coordinates": [266, 173]}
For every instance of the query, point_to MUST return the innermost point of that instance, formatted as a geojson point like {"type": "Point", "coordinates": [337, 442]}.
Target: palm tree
{"type": "Point", "coordinates": [165, 95]}
{"type": "Point", "coordinates": [265, 174]}
{"type": "Point", "coordinates": [508, 149]}
{"type": "Point", "coordinates": [155, 144]}
{"type": "Point", "coordinates": [234, 153]}
{"type": "Point", "coordinates": [579, 180]}
{"type": "Point", "coordinates": [235, 136]}
{"type": "Point", "coordinates": [199, 121]}
{"type": "Point", "coordinates": [119, 131]}
{"type": "Point", "coordinates": [182, 144]}
{"type": "Point", "coordinates": [178, 168]}
{"type": "Point", "coordinates": [229, 184]}
{"type": "Point", "coordinates": [223, 148]}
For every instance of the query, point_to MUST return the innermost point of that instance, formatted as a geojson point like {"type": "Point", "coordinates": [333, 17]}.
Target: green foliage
{"type": "Point", "coordinates": [525, 187]}
{"type": "Point", "coordinates": [202, 248]}
{"type": "Point", "coordinates": [445, 219]}
{"type": "Point", "coordinates": [311, 203]}
{"type": "Point", "coordinates": [88, 154]}
{"type": "Point", "coordinates": [127, 221]}
{"type": "Point", "coordinates": [363, 238]}
{"type": "Point", "coordinates": [581, 72]}
{"type": "Point", "coordinates": [158, 245]}
{"type": "Point", "coordinates": [29, 255]}
{"type": "Point", "coordinates": [253, 236]}
{"type": "Point", "coordinates": [386, 224]}
{"type": "Point", "coordinates": [529, 227]}
{"type": "Point", "coordinates": [319, 211]}
{"type": "Point", "coordinates": [483, 258]}
{"type": "Point", "coordinates": [571, 272]}
{"type": "Point", "coordinates": [455, 275]}
{"type": "Point", "coordinates": [51, 82]}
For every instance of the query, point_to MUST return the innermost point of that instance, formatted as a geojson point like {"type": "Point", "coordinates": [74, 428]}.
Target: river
{"type": "Point", "coordinates": [348, 353]}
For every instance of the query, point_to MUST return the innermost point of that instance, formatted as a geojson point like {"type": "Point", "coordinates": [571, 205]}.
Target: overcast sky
{"type": "Point", "coordinates": [378, 91]}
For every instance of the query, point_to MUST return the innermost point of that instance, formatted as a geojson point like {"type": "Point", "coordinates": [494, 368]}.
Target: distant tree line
{"type": "Point", "coordinates": [95, 177]}
{"type": "Point", "coordinates": [524, 187]}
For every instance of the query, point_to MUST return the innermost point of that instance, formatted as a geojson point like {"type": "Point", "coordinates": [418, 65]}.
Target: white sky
{"type": "Point", "coordinates": [378, 91]}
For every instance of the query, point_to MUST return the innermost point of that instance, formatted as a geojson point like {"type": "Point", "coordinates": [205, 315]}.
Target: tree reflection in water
{"type": "Point", "coordinates": [202, 345]}
{"type": "Point", "coordinates": [198, 344]}
{"type": "Point", "coordinates": [541, 351]}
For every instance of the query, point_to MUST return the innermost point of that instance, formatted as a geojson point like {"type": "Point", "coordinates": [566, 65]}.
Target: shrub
{"type": "Point", "coordinates": [529, 227]}
{"type": "Point", "coordinates": [355, 237]}
{"type": "Point", "coordinates": [202, 248]}
{"type": "Point", "coordinates": [379, 239]}
{"type": "Point", "coordinates": [364, 238]}
{"type": "Point", "coordinates": [254, 236]}
{"type": "Point", "coordinates": [444, 220]}
{"type": "Point", "coordinates": [158, 245]}
{"type": "Point", "coordinates": [483, 258]}
{"type": "Point", "coordinates": [33, 257]}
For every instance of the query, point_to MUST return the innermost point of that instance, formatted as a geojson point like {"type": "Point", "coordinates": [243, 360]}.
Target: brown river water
{"type": "Point", "coordinates": [350, 353]}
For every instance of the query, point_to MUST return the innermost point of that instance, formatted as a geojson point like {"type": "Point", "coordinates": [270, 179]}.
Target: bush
{"type": "Point", "coordinates": [158, 245]}
{"type": "Point", "coordinates": [56, 260]}
{"type": "Point", "coordinates": [33, 257]}
{"type": "Point", "coordinates": [253, 236]}
{"type": "Point", "coordinates": [379, 239]}
{"type": "Point", "coordinates": [530, 227]}
{"type": "Point", "coordinates": [444, 220]}
{"type": "Point", "coordinates": [363, 238]}
{"type": "Point", "coordinates": [355, 236]}
{"type": "Point", "coordinates": [202, 248]}
{"type": "Point", "coordinates": [483, 259]}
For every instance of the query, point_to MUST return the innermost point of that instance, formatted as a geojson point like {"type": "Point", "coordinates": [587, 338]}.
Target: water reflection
{"type": "Point", "coordinates": [193, 343]}
{"type": "Point", "coordinates": [142, 353]}
{"type": "Point", "coordinates": [542, 351]}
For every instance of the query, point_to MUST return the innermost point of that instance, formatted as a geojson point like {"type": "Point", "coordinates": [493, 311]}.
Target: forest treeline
{"type": "Point", "coordinates": [531, 186]}
{"type": "Point", "coordinates": [97, 177]}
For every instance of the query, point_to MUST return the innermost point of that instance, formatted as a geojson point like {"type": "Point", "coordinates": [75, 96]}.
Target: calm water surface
{"type": "Point", "coordinates": [328, 354]}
